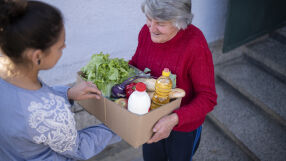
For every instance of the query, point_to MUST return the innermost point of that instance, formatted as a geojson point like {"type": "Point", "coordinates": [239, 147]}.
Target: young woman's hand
{"type": "Point", "coordinates": [84, 90]}
{"type": "Point", "coordinates": [163, 127]}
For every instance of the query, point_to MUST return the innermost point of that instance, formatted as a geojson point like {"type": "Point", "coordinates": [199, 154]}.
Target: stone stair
{"type": "Point", "coordinates": [252, 99]}
{"type": "Point", "coordinates": [258, 86]}
{"type": "Point", "coordinates": [269, 55]}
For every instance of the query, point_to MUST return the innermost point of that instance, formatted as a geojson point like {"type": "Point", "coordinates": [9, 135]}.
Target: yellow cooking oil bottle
{"type": "Point", "coordinates": [163, 87]}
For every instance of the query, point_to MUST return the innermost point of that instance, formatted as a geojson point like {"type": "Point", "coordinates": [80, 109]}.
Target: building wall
{"type": "Point", "coordinates": [112, 27]}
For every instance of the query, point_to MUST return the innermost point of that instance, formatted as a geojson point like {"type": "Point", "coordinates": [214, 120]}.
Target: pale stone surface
{"type": "Point", "coordinates": [270, 55]}
{"type": "Point", "coordinates": [259, 86]}
{"type": "Point", "coordinates": [258, 132]}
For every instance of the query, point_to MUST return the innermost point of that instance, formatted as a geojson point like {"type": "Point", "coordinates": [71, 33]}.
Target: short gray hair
{"type": "Point", "coordinates": [178, 11]}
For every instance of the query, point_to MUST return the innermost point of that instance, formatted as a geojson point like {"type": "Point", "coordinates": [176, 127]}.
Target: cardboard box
{"type": "Point", "coordinates": [134, 129]}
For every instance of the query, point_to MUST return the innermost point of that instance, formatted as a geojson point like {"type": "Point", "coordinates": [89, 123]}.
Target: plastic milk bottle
{"type": "Point", "coordinates": [139, 101]}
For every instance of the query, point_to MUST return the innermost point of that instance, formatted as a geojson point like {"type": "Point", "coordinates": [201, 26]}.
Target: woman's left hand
{"type": "Point", "coordinates": [163, 127]}
{"type": "Point", "coordinates": [84, 90]}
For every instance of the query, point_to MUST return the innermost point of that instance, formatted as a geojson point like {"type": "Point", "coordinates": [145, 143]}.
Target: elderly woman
{"type": "Point", "coordinates": [170, 40]}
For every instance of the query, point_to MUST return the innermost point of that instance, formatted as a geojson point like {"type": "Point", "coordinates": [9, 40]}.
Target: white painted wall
{"type": "Point", "coordinates": [112, 27]}
{"type": "Point", "coordinates": [210, 17]}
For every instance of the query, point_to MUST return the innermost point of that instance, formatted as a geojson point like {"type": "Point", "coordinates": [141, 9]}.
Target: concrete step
{"type": "Point", "coordinates": [119, 152]}
{"type": "Point", "coordinates": [232, 137]}
{"type": "Point", "coordinates": [214, 144]}
{"type": "Point", "coordinates": [282, 31]}
{"type": "Point", "coordinates": [280, 35]}
{"type": "Point", "coordinates": [139, 159]}
{"type": "Point", "coordinates": [256, 132]}
{"type": "Point", "coordinates": [270, 55]}
{"type": "Point", "coordinates": [262, 89]}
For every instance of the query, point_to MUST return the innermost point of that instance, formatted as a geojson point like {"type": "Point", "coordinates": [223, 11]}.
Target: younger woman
{"type": "Point", "coordinates": [35, 120]}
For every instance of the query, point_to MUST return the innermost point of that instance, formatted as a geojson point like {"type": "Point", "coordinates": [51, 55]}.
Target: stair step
{"type": "Point", "coordinates": [119, 152]}
{"type": "Point", "coordinates": [269, 54]}
{"type": "Point", "coordinates": [215, 145]}
{"type": "Point", "coordinates": [138, 159]}
{"type": "Point", "coordinates": [282, 31]}
{"type": "Point", "coordinates": [232, 137]}
{"type": "Point", "coordinates": [278, 37]}
{"type": "Point", "coordinates": [260, 134]}
{"type": "Point", "coordinates": [262, 89]}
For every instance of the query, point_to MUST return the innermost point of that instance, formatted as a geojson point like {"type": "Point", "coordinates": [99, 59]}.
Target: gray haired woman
{"type": "Point", "coordinates": [169, 40]}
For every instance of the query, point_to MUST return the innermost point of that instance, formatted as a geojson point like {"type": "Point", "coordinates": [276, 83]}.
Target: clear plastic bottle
{"type": "Point", "coordinates": [139, 101]}
{"type": "Point", "coordinates": [163, 87]}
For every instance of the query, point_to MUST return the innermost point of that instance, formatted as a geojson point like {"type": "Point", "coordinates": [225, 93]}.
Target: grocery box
{"type": "Point", "coordinates": [134, 129]}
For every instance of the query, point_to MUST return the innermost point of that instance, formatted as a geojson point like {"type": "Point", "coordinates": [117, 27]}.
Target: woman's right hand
{"type": "Point", "coordinates": [163, 127]}
{"type": "Point", "coordinates": [84, 90]}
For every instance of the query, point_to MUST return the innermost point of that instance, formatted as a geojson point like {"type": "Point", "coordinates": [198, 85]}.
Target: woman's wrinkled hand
{"type": "Point", "coordinates": [163, 127]}
{"type": "Point", "coordinates": [84, 90]}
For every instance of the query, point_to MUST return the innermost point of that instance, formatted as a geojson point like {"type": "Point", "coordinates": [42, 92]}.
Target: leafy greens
{"type": "Point", "coordinates": [106, 72]}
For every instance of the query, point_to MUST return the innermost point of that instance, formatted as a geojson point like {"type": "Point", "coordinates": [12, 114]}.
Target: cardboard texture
{"type": "Point", "coordinates": [134, 129]}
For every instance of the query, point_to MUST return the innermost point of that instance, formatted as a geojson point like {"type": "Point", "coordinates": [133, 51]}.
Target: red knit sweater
{"type": "Point", "coordinates": [187, 55]}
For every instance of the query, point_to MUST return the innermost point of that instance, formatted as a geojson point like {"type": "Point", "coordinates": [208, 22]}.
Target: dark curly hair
{"type": "Point", "coordinates": [27, 24]}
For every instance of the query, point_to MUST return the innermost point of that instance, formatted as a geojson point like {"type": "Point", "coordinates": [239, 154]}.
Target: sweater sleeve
{"type": "Point", "coordinates": [201, 72]}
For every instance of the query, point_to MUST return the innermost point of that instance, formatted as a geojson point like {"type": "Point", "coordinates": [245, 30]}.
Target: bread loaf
{"type": "Point", "coordinates": [177, 93]}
